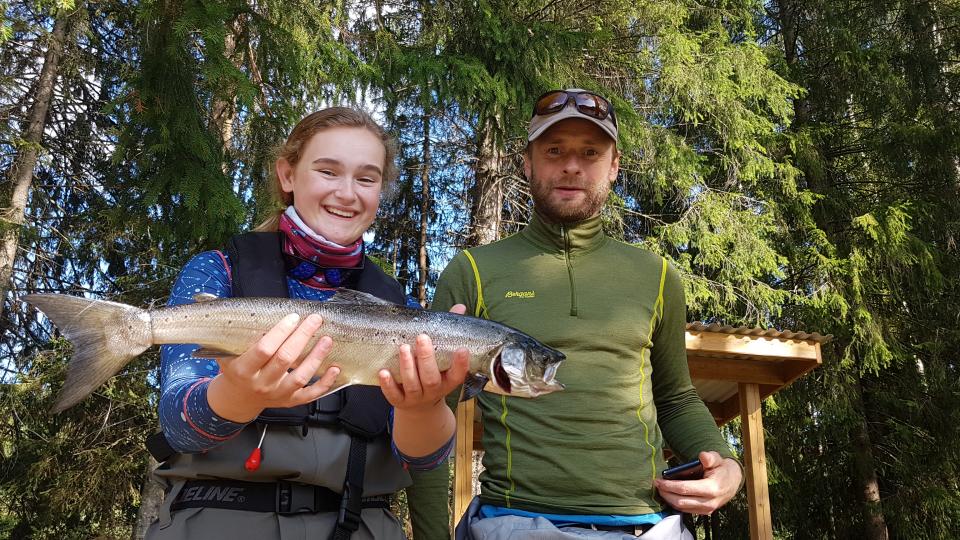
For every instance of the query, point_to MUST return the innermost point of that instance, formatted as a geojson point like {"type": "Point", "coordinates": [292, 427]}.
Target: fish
{"type": "Point", "coordinates": [366, 331]}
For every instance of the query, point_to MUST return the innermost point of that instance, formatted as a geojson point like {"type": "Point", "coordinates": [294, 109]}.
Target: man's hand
{"type": "Point", "coordinates": [721, 480]}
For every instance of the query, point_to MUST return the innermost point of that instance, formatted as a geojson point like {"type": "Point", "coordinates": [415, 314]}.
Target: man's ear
{"type": "Point", "coordinates": [526, 162]}
{"type": "Point", "coordinates": [614, 166]}
{"type": "Point", "coordinates": [284, 174]}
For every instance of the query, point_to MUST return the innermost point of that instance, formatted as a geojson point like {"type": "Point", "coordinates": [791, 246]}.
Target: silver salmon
{"type": "Point", "coordinates": [366, 333]}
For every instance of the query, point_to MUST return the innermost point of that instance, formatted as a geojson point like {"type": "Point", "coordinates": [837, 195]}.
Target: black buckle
{"type": "Point", "coordinates": [296, 498]}
{"type": "Point", "coordinates": [349, 515]}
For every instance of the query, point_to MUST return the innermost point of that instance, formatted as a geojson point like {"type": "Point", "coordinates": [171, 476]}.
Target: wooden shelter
{"type": "Point", "coordinates": [733, 369]}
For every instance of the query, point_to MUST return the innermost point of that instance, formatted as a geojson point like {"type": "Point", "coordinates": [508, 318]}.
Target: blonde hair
{"type": "Point", "coordinates": [310, 125]}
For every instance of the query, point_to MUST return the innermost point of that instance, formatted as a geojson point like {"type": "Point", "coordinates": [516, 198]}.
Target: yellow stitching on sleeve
{"type": "Point", "coordinates": [663, 279]}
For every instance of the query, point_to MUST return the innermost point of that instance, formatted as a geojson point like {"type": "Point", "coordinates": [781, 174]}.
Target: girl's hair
{"type": "Point", "coordinates": [314, 123]}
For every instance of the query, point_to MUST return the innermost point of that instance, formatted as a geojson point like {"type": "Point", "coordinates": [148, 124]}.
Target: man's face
{"type": "Point", "coordinates": [571, 168]}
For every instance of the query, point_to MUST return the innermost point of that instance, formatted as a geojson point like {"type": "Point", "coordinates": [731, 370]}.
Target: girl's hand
{"type": "Point", "coordinates": [271, 374]}
{"type": "Point", "coordinates": [424, 385]}
{"type": "Point", "coordinates": [422, 422]}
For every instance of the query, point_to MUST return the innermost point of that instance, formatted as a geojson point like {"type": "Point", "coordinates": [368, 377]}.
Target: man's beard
{"type": "Point", "coordinates": [567, 211]}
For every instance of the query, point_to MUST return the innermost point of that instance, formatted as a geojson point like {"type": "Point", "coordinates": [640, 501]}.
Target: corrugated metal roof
{"type": "Point", "coordinates": [758, 332]}
{"type": "Point", "coordinates": [715, 391]}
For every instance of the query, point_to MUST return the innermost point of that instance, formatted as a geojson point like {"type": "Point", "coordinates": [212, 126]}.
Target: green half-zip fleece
{"type": "Point", "coordinates": [618, 313]}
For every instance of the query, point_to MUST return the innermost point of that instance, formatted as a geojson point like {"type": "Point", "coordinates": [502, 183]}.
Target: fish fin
{"type": "Point", "coordinates": [350, 296]}
{"type": "Point", "coordinates": [472, 386]}
{"type": "Point", "coordinates": [213, 354]}
{"type": "Point", "coordinates": [105, 336]}
{"type": "Point", "coordinates": [337, 388]}
{"type": "Point", "coordinates": [204, 297]}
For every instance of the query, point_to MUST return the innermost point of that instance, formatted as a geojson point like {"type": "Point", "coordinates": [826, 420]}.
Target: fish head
{"type": "Point", "coordinates": [526, 368]}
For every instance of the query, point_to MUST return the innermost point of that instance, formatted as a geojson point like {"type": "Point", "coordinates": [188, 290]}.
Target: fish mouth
{"type": "Point", "coordinates": [546, 387]}
{"type": "Point", "coordinates": [535, 388]}
{"type": "Point", "coordinates": [500, 376]}
{"type": "Point", "coordinates": [521, 384]}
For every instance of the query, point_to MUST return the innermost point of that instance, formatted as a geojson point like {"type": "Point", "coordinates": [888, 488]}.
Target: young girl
{"type": "Point", "coordinates": [251, 451]}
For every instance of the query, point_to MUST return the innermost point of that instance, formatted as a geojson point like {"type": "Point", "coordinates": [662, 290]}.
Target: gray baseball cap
{"type": "Point", "coordinates": [541, 122]}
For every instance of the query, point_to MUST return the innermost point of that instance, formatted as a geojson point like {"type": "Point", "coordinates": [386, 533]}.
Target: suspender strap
{"type": "Point", "coordinates": [348, 518]}
{"type": "Point", "coordinates": [363, 421]}
{"type": "Point", "coordinates": [279, 497]}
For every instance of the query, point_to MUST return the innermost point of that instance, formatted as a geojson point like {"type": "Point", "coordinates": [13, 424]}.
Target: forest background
{"type": "Point", "coordinates": [796, 160]}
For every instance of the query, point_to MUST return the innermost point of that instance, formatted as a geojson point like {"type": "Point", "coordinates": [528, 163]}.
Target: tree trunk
{"type": "Point", "coordinates": [21, 171]}
{"type": "Point", "coordinates": [875, 526]}
{"type": "Point", "coordinates": [223, 111]}
{"type": "Point", "coordinates": [488, 189]}
{"type": "Point", "coordinates": [151, 497]}
{"type": "Point", "coordinates": [425, 209]}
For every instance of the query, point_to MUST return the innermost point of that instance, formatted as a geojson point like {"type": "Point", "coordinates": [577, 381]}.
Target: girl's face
{"type": "Point", "coordinates": [336, 184]}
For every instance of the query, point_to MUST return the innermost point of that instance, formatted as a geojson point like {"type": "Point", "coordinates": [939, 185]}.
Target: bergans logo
{"type": "Point", "coordinates": [212, 493]}
{"type": "Point", "coordinates": [520, 294]}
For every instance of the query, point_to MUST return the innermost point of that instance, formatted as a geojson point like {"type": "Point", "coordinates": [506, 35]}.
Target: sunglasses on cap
{"type": "Point", "coordinates": [588, 103]}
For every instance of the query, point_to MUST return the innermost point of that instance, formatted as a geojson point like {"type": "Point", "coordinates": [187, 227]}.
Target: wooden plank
{"type": "Point", "coordinates": [759, 347]}
{"type": "Point", "coordinates": [729, 369]}
{"type": "Point", "coordinates": [725, 411]}
{"type": "Point", "coordinates": [755, 463]}
{"type": "Point", "coordinates": [463, 460]}
{"type": "Point", "coordinates": [477, 433]}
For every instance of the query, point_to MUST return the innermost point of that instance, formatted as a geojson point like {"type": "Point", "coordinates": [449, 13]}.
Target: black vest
{"type": "Point", "coordinates": [258, 269]}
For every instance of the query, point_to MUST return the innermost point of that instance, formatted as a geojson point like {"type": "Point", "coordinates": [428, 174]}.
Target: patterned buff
{"type": "Point", "coordinates": [311, 258]}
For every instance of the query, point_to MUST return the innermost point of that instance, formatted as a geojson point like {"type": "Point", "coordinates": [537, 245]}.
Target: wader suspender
{"type": "Point", "coordinates": [258, 270]}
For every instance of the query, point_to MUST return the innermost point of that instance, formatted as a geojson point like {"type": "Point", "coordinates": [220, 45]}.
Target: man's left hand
{"type": "Point", "coordinates": [720, 482]}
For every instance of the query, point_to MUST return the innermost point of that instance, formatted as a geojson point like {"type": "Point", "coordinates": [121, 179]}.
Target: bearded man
{"type": "Point", "coordinates": [585, 462]}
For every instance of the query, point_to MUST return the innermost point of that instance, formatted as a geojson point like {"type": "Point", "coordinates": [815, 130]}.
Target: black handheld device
{"type": "Point", "coordinates": [687, 471]}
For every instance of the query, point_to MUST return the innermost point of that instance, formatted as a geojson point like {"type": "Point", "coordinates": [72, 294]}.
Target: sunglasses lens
{"type": "Point", "coordinates": [592, 105]}
{"type": "Point", "coordinates": [551, 103]}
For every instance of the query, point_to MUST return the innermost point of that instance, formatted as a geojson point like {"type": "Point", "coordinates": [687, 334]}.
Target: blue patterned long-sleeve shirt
{"type": "Point", "coordinates": [188, 422]}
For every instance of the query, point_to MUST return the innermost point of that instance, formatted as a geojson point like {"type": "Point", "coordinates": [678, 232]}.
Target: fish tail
{"type": "Point", "coordinates": [105, 336]}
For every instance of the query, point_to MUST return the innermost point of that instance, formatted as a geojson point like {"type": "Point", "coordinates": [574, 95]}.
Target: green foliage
{"type": "Point", "coordinates": [795, 160]}
{"type": "Point", "coordinates": [92, 455]}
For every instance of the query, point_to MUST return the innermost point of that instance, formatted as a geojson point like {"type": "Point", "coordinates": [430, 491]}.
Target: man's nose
{"type": "Point", "coordinates": [572, 165]}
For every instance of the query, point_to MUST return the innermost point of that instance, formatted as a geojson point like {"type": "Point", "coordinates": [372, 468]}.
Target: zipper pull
{"type": "Point", "coordinates": [253, 461]}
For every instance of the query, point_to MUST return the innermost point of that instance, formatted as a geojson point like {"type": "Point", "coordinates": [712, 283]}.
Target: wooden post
{"type": "Point", "coordinates": [755, 463]}
{"type": "Point", "coordinates": [463, 460]}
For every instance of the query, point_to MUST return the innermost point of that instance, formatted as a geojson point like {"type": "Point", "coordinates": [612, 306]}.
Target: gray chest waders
{"type": "Point", "coordinates": [258, 269]}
